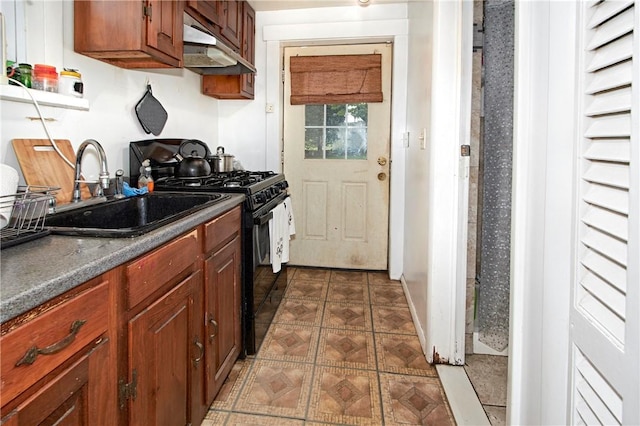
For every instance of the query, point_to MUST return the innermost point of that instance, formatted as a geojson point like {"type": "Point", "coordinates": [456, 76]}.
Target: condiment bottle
{"type": "Point", "coordinates": [145, 178]}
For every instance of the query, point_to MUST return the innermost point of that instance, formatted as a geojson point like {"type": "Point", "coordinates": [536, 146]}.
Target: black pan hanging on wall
{"type": "Point", "coordinates": [151, 113]}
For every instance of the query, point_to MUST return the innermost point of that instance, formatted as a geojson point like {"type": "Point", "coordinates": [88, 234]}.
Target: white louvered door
{"type": "Point", "coordinates": [605, 320]}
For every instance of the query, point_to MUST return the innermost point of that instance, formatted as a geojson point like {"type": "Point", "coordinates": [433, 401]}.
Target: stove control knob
{"type": "Point", "coordinates": [260, 198]}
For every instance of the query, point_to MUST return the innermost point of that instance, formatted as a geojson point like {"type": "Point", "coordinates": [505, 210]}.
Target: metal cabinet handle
{"type": "Point", "coordinates": [215, 329]}
{"type": "Point", "coordinates": [31, 355]}
{"type": "Point", "coordinates": [201, 347]}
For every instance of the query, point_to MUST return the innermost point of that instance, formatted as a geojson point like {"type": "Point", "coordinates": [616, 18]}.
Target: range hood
{"type": "Point", "coordinates": [205, 54]}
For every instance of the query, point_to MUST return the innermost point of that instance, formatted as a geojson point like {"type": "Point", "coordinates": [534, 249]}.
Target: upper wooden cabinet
{"type": "Point", "coordinates": [130, 34]}
{"type": "Point", "coordinates": [222, 18]}
{"type": "Point", "coordinates": [211, 10]}
{"type": "Point", "coordinates": [232, 28]}
{"type": "Point", "coordinates": [236, 86]}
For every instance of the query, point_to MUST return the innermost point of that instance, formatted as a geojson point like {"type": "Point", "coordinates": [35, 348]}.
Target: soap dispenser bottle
{"type": "Point", "coordinates": [145, 179]}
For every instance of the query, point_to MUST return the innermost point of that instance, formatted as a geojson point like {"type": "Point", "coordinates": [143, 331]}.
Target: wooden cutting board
{"type": "Point", "coordinates": [41, 165]}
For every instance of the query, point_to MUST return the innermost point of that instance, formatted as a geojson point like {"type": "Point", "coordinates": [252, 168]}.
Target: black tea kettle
{"type": "Point", "coordinates": [192, 161]}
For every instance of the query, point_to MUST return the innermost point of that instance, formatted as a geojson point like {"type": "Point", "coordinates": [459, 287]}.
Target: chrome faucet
{"type": "Point", "coordinates": [103, 179]}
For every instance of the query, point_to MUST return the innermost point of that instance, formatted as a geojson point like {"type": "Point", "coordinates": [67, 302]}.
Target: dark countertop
{"type": "Point", "coordinates": [35, 272]}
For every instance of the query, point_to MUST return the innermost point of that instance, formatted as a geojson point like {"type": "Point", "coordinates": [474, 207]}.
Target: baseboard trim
{"type": "Point", "coordinates": [416, 323]}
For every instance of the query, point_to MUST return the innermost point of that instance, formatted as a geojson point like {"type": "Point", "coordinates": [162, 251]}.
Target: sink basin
{"type": "Point", "coordinates": [129, 217]}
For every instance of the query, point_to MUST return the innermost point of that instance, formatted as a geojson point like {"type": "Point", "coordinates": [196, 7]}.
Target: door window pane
{"type": "Point", "coordinates": [313, 143]}
{"type": "Point", "coordinates": [314, 115]}
{"type": "Point", "coordinates": [357, 147]}
{"type": "Point", "coordinates": [336, 131]}
{"type": "Point", "coordinates": [358, 115]}
{"type": "Point", "coordinates": [335, 144]}
{"type": "Point", "coordinates": [336, 115]}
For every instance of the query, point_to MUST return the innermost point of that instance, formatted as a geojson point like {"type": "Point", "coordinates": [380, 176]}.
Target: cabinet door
{"type": "Point", "coordinates": [211, 10]}
{"type": "Point", "coordinates": [248, 49]}
{"type": "Point", "coordinates": [223, 310]}
{"type": "Point", "coordinates": [164, 27]}
{"type": "Point", "coordinates": [130, 34]}
{"type": "Point", "coordinates": [232, 28]}
{"type": "Point", "coordinates": [166, 353]}
{"type": "Point", "coordinates": [73, 397]}
{"type": "Point", "coordinates": [236, 86]}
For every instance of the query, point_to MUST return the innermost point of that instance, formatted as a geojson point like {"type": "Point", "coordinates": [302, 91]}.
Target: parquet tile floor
{"type": "Point", "coordinates": [342, 349]}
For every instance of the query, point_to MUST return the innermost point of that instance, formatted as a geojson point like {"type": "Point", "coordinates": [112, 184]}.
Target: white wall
{"type": "Point", "coordinates": [112, 93]}
{"type": "Point", "coordinates": [417, 184]}
{"type": "Point", "coordinates": [258, 135]}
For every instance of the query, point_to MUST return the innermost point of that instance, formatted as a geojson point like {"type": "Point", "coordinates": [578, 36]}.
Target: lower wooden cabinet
{"type": "Point", "coordinates": [147, 343]}
{"type": "Point", "coordinates": [166, 355]}
{"type": "Point", "coordinates": [72, 398]}
{"type": "Point", "coordinates": [58, 361]}
{"type": "Point", "coordinates": [222, 312]}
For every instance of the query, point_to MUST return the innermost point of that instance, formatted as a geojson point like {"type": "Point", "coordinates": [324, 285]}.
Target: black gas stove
{"type": "Point", "coordinates": [259, 187]}
{"type": "Point", "coordinates": [262, 289]}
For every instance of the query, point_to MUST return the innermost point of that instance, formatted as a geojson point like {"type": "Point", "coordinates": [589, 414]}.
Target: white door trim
{"type": "Point", "coordinates": [276, 36]}
{"type": "Point", "coordinates": [450, 128]}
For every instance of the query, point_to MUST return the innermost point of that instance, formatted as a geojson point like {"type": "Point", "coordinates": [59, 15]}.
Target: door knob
{"type": "Point", "coordinates": [382, 161]}
{"type": "Point", "coordinates": [382, 176]}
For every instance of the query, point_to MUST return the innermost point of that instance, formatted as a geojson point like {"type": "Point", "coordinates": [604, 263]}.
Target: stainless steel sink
{"type": "Point", "coordinates": [130, 217]}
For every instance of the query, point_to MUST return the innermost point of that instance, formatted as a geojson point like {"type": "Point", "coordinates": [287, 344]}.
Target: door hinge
{"type": "Point", "coordinates": [478, 37]}
{"type": "Point", "coordinates": [465, 150]}
{"type": "Point", "coordinates": [282, 74]}
{"type": "Point", "coordinates": [128, 390]}
{"type": "Point", "coordinates": [146, 10]}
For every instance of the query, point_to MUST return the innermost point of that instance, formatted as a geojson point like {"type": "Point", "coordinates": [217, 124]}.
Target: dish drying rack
{"type": "Point", "coordinates": [29, 208]}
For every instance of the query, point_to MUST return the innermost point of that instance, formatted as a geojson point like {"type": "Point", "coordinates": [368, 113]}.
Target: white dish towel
{"type": "Point", "coordinates": [281, 227]}
{"type": "Point", "coordinates": [288, 206]}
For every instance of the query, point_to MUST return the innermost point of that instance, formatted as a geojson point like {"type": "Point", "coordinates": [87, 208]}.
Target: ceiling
{"type": "Point", "coordinates": [263, 5]}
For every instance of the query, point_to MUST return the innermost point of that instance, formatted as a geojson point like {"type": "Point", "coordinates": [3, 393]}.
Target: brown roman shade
{"type": "Point", "coordinates": [336, 79]}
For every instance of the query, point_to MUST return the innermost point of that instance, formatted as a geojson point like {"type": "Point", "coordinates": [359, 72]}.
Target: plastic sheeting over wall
{"type": "Point", "coordinates": [493, 293]}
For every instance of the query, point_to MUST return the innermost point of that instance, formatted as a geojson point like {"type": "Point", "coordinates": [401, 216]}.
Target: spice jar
{"type": "Point", "coordinates": [70, 83]}
{"type": "Point", "coordinates": [45, 77]}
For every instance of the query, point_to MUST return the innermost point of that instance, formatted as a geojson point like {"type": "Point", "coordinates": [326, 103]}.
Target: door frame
{"type": "Point", "coordinates": [371, 249]}
{"type": "Point", "coordinates": [542, 210]}
{"type": "Point", "coordinates": [277, 37]}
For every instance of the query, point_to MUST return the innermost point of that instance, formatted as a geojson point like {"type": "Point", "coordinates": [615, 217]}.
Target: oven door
{"type": "Point", "coordinates": [266, 288]}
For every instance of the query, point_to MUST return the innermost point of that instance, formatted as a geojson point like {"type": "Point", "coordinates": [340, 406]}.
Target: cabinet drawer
{"type": "Point", "coordinates": [36, 348]}
{"type": "Point", "coordinates": [222, 229]}
{"type": "Point", "coordinates": [152, 271]}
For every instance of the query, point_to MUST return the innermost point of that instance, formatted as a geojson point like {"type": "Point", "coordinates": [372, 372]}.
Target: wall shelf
{"type": "Point", "coordinates": [19, 94]}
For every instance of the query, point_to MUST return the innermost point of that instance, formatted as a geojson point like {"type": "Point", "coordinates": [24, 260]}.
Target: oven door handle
{"type": "Point", "coordinates": [263, 219]}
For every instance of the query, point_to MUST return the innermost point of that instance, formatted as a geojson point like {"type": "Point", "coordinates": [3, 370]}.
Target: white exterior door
{"type": "Point", "coordinates": [605, 321]}
{"type": "Point", "coordinates": [336, 159]}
